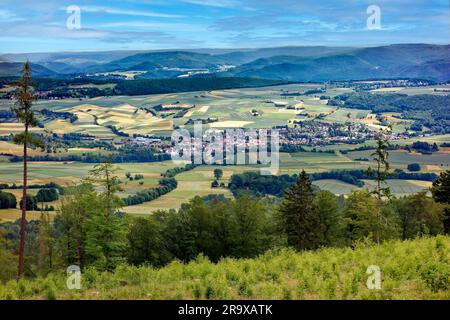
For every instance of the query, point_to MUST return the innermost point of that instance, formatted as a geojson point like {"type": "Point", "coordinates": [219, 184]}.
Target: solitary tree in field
{"type": "Point", "coordinates": [23, 109]}
{"type": "Point", "coordinates": [218, 173]}
{"type": "Point", "coordinates": [300, 219]}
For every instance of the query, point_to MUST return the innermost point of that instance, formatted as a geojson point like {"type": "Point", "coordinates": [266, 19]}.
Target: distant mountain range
{"type": "Point", "coordinates": [315, 63]}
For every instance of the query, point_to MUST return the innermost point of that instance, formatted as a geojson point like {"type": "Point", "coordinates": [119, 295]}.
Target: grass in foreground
{"type": "Point", "coordinates": [414, 269]}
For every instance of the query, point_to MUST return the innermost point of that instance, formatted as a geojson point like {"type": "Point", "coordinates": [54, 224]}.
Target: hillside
{"type": "Point", "coordinates": [304, 63]}
{"type": "Point", "coordinates": [8, 69]}
{"type": "Point", "coordinates": [415, 269]}
{"type": "Point", "coordinates": [409, 61]}
{"type": "Point", "coordinates": [158, 60]}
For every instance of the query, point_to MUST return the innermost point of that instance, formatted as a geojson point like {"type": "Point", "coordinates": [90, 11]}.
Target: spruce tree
{"type": "Point", "coordinates": [299, 215]}
{"type": "Point", "coordinates": [25, 97]}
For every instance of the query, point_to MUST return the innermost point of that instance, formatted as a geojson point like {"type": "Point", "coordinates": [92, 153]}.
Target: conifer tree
{"type": "Point", "coordinates": [299, 215]}
{"type": "Point", "coordinates": [23, 109]}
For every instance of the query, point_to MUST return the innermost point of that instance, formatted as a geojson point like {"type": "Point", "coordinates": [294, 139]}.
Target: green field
{"type": "Point", "coordinates": [398, 187]}
{"type": "Point", "coordinates": [198, 181]}
{"type": "Point", "coordinates": [402, 157]}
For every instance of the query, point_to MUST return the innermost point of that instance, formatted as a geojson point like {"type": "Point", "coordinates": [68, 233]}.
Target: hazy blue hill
{"type": "Point", "coordinates": [169, 59]}
{"type": "Point", "coordinates": [61, 67]}
{"type": "Point", "coordinates": [8, 69]}
{"type": "Point", "coordinates": [243, 57]}
{"type": "Point", "coordinates": [302, 63]}
{"type": "Point", "coordinates": [415, 61]}
{"type": "Point", "coordinates": [438, 69]}
{"type": "Point", "coordinates": [77, 59]}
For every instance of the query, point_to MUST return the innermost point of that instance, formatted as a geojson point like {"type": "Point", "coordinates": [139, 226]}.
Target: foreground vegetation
{"type": "Point", "coordinates": [413, 269]}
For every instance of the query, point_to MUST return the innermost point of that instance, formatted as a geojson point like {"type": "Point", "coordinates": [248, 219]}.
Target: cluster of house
{"type": "Point", "coordinates": [322, 133]}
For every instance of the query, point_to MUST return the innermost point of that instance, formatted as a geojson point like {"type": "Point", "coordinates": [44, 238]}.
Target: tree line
{"type": "Point", "coordinates": [165, 185]}
{"type": "Point", "coordinates": [276, 185]}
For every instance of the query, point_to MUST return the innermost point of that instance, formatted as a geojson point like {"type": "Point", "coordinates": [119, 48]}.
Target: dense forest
{"type": "Point", "coordinates": [122, 155]}
{"type": "Point", "coordinates": [64, 88]}
{"type": "Point", "coordinates": [430, 111]}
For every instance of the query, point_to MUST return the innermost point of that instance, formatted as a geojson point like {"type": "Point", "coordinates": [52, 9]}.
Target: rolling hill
{"type": "Point", "coordinates": [409, 61]}
{"type": "Point", "coordinates": [8, 69]}
{"type": "Point", "coordinates": [315, 63]}
{"type": "Point", "coordinates": [158, 60]}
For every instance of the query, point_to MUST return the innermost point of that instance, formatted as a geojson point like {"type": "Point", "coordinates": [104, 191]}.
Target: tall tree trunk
{"type": "Point", "coordinates": [24, 209]}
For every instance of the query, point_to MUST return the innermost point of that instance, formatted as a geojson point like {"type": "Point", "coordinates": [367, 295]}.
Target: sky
{"type": "Point", "coordinates": [41, 25]}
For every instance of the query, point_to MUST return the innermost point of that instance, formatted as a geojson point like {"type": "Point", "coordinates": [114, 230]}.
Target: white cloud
{"type": "Point", "coordinates": [213, 3]}
{"type": "Point", "coordinates": [8, 16]}
{"type": "Point", "coordinates": [118, 11]}
{"type": "Point", "coordinates": [156, 25]}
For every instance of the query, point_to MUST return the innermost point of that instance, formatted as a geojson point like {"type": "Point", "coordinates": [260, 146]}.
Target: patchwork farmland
{"type": "Point", "coordinates": [111, 118]}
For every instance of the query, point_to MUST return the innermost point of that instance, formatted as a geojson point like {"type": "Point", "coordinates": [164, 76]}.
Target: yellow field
{"type": "Point", "coordinates": [230, 124]}
{"type": "Point", "coordinates": [370, 119]}
{"type": "Point", "coordinates": [393, 89]}
{"type": "Point", "coordinates": [6, 128]}
{"type": "Point", "coordinates": [125, 117]}
{"type": "Point", "coordinates": [14, 214]}
{"type": "Point", "coordinates": [17, 150]}
{"type": "Point", "coordinates": [60, 126]}
{"type": "Point", "coordinates": [197, 110]}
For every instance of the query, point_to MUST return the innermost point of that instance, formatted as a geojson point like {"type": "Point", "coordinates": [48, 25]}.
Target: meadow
{"type": "Point", "coordinates": [411, 269]}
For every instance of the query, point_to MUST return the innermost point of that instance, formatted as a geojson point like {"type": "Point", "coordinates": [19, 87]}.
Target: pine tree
{"type": "Point", "coordinates": [23, 109]}
{"type": "Point", "coordinates": [299, 215]}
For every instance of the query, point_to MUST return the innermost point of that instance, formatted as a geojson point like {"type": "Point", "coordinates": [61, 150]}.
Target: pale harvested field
{"type": "Point", "coordinates": [11, 215]}
{"type": "Point", "coordinates": [425, 184]}
{"type": "Point", "coordinates": [230, 124]}
{"type": "Point", "coordinates": [6, 128]}
{"type": "Point", "coordinates": [432, 168]}
{"type": "Point", "coordinates": [370, 119]}
{"type": "Point", "coordinates": [83, 108]}
{"type": "Point", "coordinates": [393, 89]}
{"type": "Point", "coordinates": [198, 110]}
{"type": "Point", "coordinates": [17, 150]}
{"type": "Point", "coordinates": [283, 110]}
{"type": "Point", "coordinates": [203, 109]}
{"type": "Point", "coordinates": [392, 116]}
{"type": "Point", "coordinates": [60, 126]}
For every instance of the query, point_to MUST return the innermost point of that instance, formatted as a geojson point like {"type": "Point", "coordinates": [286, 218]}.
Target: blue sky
{"type": "Point", "coordinates": [40, 25]}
